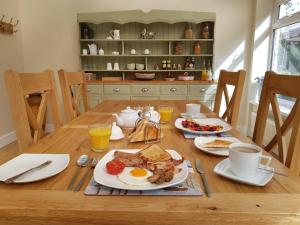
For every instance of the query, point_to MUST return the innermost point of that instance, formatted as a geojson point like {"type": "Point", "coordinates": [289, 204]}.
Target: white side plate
{"type": "Point", "coordinates": [261, 179]}
{"type": "Point", "coordinates": [26, 161]}
{"type": "Point", "coordinates": [102, 177]}
{"type": "Point", "coordinates": [207, 121]}
{"type": "Point", "coordinates": [200, 141]}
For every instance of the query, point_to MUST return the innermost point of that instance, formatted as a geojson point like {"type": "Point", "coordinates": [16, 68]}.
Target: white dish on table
{"type": "Point", "coordinates": [102, 177]}
{"type": "Point", "coordinates": [26, 161]}
{"type": "Point", "coordinates": [199, 141]}
{"type": "Point", "coordinates": [194, 116]}
{"type": "Point", "coordinates": [261, 179]}
{"type": "Point", "coordinates": [206, 121]}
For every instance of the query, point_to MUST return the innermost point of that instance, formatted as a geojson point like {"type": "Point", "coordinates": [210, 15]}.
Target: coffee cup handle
{"type": "Point", "coordinates": [269, 158]}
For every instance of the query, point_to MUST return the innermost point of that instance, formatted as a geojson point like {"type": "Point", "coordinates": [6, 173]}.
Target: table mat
{"type": "Point", "coordinates": [190, 187]}
{"type": "Point", "coordinates": [189, 135]}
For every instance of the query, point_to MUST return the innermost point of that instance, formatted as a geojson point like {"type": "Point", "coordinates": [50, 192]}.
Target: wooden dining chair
{"type": "Point", "coordinates": [236, 79]}
{"type": "Point", "coordinates": [30, 94]}
{"type": "Point", "coordinates": [74, 88]}
{"type": "Point", "coordinates": [287, 85]}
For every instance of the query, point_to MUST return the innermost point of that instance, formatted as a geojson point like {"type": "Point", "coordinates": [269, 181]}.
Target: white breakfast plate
{"type": "Point", "coordinates": [199, 141]}
{"type": "Point", "coordinates": [26, 161]}
{"type": "Point", "coordinates": [102, 177]}
{"type": "Point", "coordinates": [195, 116]}
{"type": "Point", "coordinates": [206, 121]}
{"type": "Point", "coordinates": [261, 178]}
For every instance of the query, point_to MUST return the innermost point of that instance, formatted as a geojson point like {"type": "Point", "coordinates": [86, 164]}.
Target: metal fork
{"type": "Point", "coordinates": [93, 165]}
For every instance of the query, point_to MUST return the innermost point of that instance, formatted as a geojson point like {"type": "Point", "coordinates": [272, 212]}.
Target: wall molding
{"type": "Point", "coordinates": [7, 138]}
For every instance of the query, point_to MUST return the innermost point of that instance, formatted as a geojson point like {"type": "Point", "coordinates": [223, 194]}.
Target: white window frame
{"type": "Point", "coordinates": [276, 24]}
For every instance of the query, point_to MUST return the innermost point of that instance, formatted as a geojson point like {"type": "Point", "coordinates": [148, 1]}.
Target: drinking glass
{"type": "Point", "coordinates": [99, 136]}
{"type": "Point", "coordinates": [165, 112]}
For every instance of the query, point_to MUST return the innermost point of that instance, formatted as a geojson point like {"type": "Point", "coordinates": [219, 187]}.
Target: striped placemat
{"type": "Point", "coordinates": [190, 187]}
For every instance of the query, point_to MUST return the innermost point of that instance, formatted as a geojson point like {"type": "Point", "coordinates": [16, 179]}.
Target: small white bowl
{"type": "Point", "coordinates": [131, 66]}
{"type": "Point", "coordinates": [139, 66]}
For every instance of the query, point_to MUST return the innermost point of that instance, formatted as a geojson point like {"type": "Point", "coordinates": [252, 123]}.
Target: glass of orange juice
{"type": "Point", "coordinates": [99, 136]}
{"type": "Point", "coordinates": [165, 113]}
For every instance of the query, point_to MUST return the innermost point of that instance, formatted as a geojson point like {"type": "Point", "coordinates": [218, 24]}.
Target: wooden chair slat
{"type": "Point", "coordinates": [21, 86]}
{"type": "Point", "coordinates": [237, 80]}
{"type": "Point", "coordinates": [72, 103]}
{"type": "Point", "coordinates": [280, 84]}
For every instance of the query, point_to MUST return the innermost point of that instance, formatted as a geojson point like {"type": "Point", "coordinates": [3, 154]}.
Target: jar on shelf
{"type": "Point", "coordinates": [197, 48]}
{"type": "Point", "coordinates": [205, 31]}
{"type": "Point", "coordinates": [178, 48]}
{"type": "Point", "coordinates": [164, 64]}
{"type": "Point", "coordinates": [188, 33]}
{"type": "Point", "coordinates": [168, 64]}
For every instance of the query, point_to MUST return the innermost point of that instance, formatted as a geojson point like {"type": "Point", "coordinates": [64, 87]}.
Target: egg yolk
{"type": "Point", "coordinates": [138, 172]}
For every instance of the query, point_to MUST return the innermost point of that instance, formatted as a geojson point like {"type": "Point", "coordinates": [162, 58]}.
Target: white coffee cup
{"type": "Point", "coordinates": [146, 51]}
{"type": "Point", "coordinates": [116, 66]}
{"type": "Point", "coordinates": [133, 51]}
{"type": "Point", "coordinates": [245, 159]}
{"type": "Point", "coordinates": [84, 51]}
{"type": "Point", "coordinates": [109, 66]}
{"type": "Point", "coordinates": [192, 109]}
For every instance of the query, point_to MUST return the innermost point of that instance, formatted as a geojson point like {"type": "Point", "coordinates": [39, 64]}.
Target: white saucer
{"type": "Point", "coordinates": [195, 116]}
{"type": "Point", "coordinates": [261, 178]}
{"type": "Point", "coordinates": [117, 138]}
{"type": "Point", "coordinates": [199, 141]}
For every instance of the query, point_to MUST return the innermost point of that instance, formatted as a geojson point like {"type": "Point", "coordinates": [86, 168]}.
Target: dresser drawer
{"type": "Point", "coordinates": [94, 89]}
{"type": "Point", "coordinates": [116, 97]}
{"type": "Point", "coordinates": [145, 89]}
{"type": "Point", "coordinates": [202, 89]}
{"type": "Point", "coordinates": [173, 89]}
{"type": "Point", "coordinates": [116, 89]}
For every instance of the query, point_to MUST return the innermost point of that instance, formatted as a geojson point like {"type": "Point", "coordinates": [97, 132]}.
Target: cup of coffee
{"type": "Point", "coordinates": [192, 109]}
{"type": "Point", "coordinates": [245, 159]}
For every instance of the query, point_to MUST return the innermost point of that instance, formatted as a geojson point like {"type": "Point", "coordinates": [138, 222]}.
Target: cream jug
{"type": "Point", "coordinates": [93, 49]}
{"type": "Point", "coordinates": [115, 34]}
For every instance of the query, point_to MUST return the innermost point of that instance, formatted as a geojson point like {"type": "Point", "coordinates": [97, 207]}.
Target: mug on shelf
{"type": "Point", "coordinates": [84, 51]}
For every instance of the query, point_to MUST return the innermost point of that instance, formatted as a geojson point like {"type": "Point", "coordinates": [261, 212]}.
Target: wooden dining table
{"type": "Point", "coordinates": [49, 202]}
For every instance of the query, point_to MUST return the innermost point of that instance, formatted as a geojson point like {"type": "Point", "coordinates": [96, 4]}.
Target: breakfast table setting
{"type": "Point", "coordinates": [147, 162]}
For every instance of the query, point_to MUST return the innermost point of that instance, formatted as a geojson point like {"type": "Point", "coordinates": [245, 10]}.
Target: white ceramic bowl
{"type": "Point", "coordinates": [139, 66]}
{"type": "Point", "coordinates": [131, 66]}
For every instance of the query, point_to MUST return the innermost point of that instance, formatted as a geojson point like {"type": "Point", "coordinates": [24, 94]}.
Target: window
{"type": "Point", "coordinates": [286, 37]}
{"type": "Point", "coordinates": [285, 56]}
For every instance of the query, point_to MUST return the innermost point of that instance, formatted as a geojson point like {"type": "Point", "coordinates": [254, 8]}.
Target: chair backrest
{"type": "Point", "coordinates": [21, 87]}
{"type": "Point", "coordinates": [74, 88]}
{"type": "Point", "coordinates": [289, 86]}
{"type": "Point", "coordinates": [236, 79]}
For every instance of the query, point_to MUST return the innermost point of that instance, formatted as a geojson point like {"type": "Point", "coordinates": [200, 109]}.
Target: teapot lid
{"type": "Point", "coordinates": [128, 110]}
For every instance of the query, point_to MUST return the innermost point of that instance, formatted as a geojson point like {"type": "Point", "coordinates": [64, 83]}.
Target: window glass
{"type": "Point", "coordinates": [286, 50]}
{"type": "Point", "coordinates": [289, 8]}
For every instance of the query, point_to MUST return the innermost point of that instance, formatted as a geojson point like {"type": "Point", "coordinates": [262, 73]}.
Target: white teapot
{"type": "Point", "coordinates": [152, 115]}
{"type": "Point", "coordinates": [93, 49]}
{"type": "Point", "coordinates": [127, 117]}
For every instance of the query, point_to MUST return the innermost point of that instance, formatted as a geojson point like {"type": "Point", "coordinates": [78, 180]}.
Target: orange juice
{"type": "Point", "coordinates": [99, 137]}
{"type": "Point", "coordinates": [165, 113]}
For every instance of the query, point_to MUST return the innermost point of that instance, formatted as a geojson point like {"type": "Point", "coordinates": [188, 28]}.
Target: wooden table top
{"type": "Point", "coordinates": [49, 202]}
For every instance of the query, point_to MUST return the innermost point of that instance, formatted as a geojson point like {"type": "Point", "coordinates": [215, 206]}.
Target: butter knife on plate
{"type": "Point", "coordinates": [11, 179]}
{"type": "Point", "coordinates": [201, 171]}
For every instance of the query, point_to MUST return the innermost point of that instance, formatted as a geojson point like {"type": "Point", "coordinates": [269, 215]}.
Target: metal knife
{"type": "Point", "coordinates": [200, 170]}
{"type": "Point", "coordinates": [11, 179]}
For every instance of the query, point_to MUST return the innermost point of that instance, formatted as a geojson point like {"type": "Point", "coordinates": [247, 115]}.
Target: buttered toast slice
{"type": "Point", "coordinates": [217, 143]}
{"type": "Point", "coordinates": [155, 153]}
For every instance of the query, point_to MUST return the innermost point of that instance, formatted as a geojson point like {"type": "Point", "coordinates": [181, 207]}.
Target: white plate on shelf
{"type": "Point", "coordinates": [195, 116]}
{"type": "Point", "coordinates": [26, 161]}
{"type": "Point", "coordinates": [261, 178]}
{"type": "Point", "coordinates": [200, 141]}
{"type": "Point", "coordinates": [102, 177]}
{"type": "Point", "coordinates": [206, 121]}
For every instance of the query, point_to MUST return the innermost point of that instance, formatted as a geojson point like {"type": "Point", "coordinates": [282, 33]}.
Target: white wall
{"type": "Point", "coordinates": [11, 56]}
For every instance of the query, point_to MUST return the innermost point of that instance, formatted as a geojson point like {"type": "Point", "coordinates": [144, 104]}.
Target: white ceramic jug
{"type": "Point", "coordinates": [115, 34]}
{"type": "Point", "coordinates": [93, 49]}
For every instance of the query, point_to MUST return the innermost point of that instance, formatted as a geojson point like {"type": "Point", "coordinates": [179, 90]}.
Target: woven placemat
{"type": "Point", "coordinates": [190, 187]}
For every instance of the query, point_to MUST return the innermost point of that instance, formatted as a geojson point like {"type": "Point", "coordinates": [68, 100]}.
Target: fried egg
{"type": "Point", "coordinates": [135, 176]}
